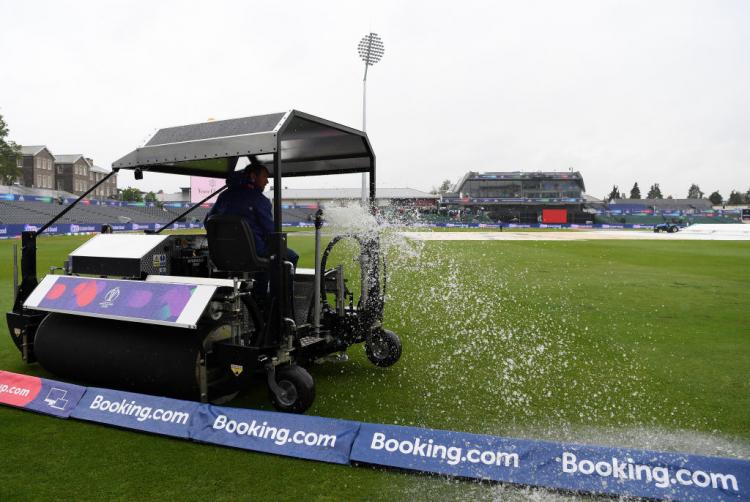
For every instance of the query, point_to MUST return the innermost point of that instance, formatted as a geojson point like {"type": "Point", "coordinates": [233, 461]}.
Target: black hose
{"type": "Point", "coordinates": [324, 261]}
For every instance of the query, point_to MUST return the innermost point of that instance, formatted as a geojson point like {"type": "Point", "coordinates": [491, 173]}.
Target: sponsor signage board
{"type": "Point", "coordinates": [582, 468]}
{"type": "Point", "coordinates": [39, 394]}
{"type": "Point", "coordinates": [137, 301]}
{"type": "Point", "coordinates": [158, 415]}
{"type": "Point", "coordinates": [593, 469]}
{"type": "Point", "coordinates": [302, 436]}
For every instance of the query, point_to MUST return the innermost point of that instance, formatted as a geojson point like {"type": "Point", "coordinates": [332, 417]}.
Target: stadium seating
{"type": "Point", "coordinates": [37, 213]}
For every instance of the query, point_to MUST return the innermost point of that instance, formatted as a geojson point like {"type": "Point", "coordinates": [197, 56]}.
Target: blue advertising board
{"type": "Point", "coordinates": [302, 436]}
{"type": "Point", "coordinates": [39, 394]}
{"type": "Point", "coordinates": [593, 469]}
{"type": "Point", "coordinates": [15, 230]}
{"type": "Point", "coordinates": [158, 415]}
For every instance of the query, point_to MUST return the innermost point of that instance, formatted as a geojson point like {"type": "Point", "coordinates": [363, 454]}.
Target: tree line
{"type": "Point", "coordinates": [694, 192]}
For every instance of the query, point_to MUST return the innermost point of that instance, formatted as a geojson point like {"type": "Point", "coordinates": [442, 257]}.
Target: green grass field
{"type": "Point", "coordinates": [643, 343]}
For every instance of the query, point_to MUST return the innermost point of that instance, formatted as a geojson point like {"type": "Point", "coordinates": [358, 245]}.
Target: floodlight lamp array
{"type": "Point", "coordinates": [371, 49]}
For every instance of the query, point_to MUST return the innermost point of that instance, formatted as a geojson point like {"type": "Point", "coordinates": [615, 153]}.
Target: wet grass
{"type": "Point", "coordinates": [533, 339]}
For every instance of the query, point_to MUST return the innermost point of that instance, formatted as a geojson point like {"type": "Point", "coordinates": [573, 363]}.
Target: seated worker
{"type": "Point", "coordinates": [244, 197]}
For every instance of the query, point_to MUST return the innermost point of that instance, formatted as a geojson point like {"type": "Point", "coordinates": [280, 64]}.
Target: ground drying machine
{"type": "Point", "coordinates": [175, 314]}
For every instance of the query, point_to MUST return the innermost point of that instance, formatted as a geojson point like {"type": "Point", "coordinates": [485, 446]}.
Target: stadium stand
{"type": "Point", "coordinates": [37, 213]}
{"type": "Point", "coordinates": [655, 211]}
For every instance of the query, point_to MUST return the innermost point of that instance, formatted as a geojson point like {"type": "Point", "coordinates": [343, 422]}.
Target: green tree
{"type": "Point", "coordinates": [716, 198]}
{"type": "Point", "coordinates": [131, 194]}
{"type": "Point", "coordinates": [747, 196]}
{"type": "Point", "coordinates": [654, 192]}
{"type": "Point", "coordinates": [445, 187]}
{"type": "Point", "coordinates": [735, 198]}
{"type": "Point", "coordinates": [9, 155]}
{"type": "Point", "coordinates": [694, 192]}
{"type": "Point", "coordinates": [615, 193]}
{"type": "Point", "coordinates": [150, 197]}
{"type": "Point", "coordinates": [635, 192]}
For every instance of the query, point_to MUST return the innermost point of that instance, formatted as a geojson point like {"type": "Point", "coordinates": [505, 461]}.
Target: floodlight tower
{"type": "Point", "coordinates": [371, 51]}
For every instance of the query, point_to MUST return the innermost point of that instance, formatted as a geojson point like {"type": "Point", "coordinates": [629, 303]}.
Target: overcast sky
{"type": "Point", "coordinates": [622, 91]}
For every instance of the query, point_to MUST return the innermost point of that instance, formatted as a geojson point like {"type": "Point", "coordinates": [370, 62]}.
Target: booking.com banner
{"type": "Point", "coordinates": [158, 415]}
{"type": "Point", "coordinates": [302, 436]}
{"type": "Point", "coordinates": [581, 468]}
{"type": "Point", "coordinates": [594, 469]}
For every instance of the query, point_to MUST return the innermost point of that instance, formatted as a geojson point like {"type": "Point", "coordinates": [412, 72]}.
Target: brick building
{"type": "Point", "coordinates": [38, 167]}
{"type": "Point", "coordinates": [70, 173]}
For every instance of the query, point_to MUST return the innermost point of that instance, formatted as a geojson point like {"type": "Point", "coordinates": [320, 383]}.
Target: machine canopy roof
{"type": "Point", "coordinates": [309, 146]}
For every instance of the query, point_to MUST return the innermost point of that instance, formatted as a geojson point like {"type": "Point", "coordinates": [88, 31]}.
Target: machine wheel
{"type": "Point", "coordinates": [672, 230]}
{"type": "Point", "coordinates": [298, 389]}
{"type": "Point", "coordinates": [384, 348]}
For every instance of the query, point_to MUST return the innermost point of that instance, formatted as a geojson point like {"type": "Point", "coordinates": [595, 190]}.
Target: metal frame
{"type": "Point", "coordinates": [175, 158]}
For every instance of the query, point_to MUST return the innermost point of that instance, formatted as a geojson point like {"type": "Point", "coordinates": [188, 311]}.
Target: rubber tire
{"type": "Point", "coordinates": [672, 230]}
{"type": "Point", "coordinates": [296, 378]}
{"type": "Point", "coordinates": [390, 348]}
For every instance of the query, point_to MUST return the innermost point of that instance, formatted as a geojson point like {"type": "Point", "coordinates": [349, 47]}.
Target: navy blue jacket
{"type": "Point", "coordinates": [249, 202]}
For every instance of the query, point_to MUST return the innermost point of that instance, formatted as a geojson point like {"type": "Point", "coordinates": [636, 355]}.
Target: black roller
{"type": "Point", "coordinates": [132, 356]}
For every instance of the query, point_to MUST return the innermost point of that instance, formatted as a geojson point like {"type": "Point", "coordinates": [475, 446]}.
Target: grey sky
{"type": "Point", "coordinates": [624, 91]}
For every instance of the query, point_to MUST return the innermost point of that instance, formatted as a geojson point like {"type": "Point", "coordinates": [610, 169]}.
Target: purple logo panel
{"type": "Point", "coordinates": [134, 299]}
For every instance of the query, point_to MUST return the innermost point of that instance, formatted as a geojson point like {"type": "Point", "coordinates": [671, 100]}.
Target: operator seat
{"type": "Point", "coordinates": [231, 245]}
